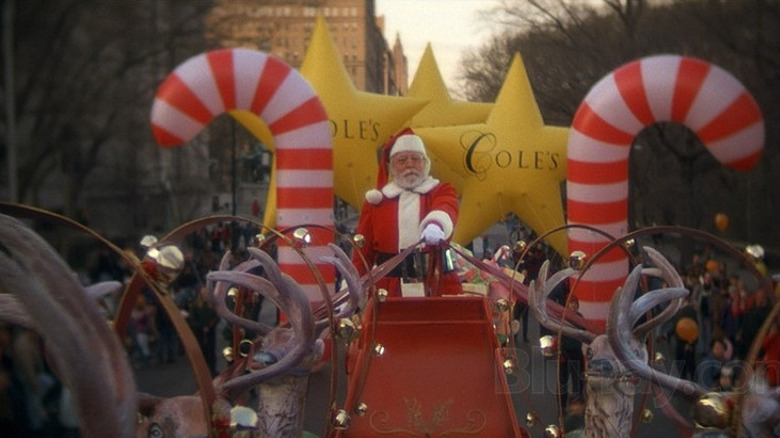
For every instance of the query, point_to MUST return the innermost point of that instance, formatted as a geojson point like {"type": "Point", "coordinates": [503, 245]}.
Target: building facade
{"type": "Point", "coordinates": [283, 28]}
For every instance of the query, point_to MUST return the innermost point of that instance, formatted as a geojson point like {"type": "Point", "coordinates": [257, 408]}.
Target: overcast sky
{"type": "Point", "coordinates": [451, 26]}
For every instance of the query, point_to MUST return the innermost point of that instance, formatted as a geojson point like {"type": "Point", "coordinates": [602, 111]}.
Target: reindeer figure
{"type": "Point", "coordinates": [280, 361]}
{"type": "Point", "coordinates": [610, 385]}
{"type": "Point", "coordinates": [84, 351]}
{"type": "Point", "coordinates": [760, 413]}
{"type": "Point", "coordinates": [38, 291]}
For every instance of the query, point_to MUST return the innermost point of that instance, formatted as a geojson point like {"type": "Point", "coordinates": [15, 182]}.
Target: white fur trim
{"type": "Point", "coordinates": [374, 196]}
{"type": "Point", "coordinates": [391, 190]}
{"type": "Point", "coordinates": [408, 219]}
{"type": "Point", "coordinates": [408, 143]}
{"type": "Point", "coordinates": [441, 218]}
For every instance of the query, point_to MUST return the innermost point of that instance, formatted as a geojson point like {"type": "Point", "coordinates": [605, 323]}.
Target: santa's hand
{"type": "Point", "coordinates": [432, 234]}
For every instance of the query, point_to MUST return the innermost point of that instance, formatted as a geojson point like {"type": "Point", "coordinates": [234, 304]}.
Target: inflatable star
{"type": "Point", "coordinates": [360, 121]}
{"type": "Point", "coordinates": [442, 110]}
{"type": "Point", "coordinates": [512, 163]}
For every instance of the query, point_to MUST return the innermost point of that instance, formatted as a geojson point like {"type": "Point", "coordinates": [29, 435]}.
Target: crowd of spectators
{"type": "Point", "coordinates": [729, 310]}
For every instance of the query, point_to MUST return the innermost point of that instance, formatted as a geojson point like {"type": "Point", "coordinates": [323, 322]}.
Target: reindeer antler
{"type": "Point", "coordinates": [220, 289]}
{"type": "Point", "coordinates": [73, 330]}
{"type": "Point", "coordinates": [291, 299]}
{"type": "Point", "coordinates": [625, 312]}
{"type": "Point", "coordinates": [666, 271]}
{"type": "Point", "coordinates": [355, 290]}
{"type": "Point", "coordinates": [539, 290]}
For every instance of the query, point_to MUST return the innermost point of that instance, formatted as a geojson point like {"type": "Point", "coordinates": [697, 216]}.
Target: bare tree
{"type": "Point", "coordinates": [567, 46]}
{"type": "Point", "coordinates": [85, 75]}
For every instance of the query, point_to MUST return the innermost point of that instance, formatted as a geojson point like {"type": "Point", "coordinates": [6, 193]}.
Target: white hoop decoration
{"type": "Point", "coordinates": [703, 97]}
{"type": "Point", "coordinates": [220, 81]}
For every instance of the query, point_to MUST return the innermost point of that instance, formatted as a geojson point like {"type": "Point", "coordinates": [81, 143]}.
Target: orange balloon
{"type": "Point", "coordinates": [712, 266]}
{"type": "Point", "coordinates": [687, 329]}
{"type": "Point", "coordinates": [722, 222]}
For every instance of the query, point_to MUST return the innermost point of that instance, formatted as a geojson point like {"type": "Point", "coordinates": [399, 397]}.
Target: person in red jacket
{"type": "Point", "coordinates": [407, 209]}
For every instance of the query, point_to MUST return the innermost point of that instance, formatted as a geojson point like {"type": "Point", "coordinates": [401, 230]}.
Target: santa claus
{"type": "Point", "coordinates": [410, 209]}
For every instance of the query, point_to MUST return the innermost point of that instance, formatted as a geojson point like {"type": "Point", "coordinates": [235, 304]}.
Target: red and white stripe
{"type": "Point", "coordinates": [703, 97]}
{"type": "Point", "coordinates": [216, 82]}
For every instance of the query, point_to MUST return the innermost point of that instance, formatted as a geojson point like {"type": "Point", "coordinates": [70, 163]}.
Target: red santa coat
{"type": "Point", "coordinates": [393, 218]}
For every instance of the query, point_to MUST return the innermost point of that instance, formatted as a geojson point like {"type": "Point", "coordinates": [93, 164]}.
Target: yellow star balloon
{"type": "Point", "coordinates": [360, 121]}
{"type": "Point", "coordinates": [442, 110]}
{"type": "Point", "coordinates": [512, 163]}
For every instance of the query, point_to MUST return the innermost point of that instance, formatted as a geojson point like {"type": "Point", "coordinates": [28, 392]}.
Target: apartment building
{"type": "Point", "coordinates": [283, 28]}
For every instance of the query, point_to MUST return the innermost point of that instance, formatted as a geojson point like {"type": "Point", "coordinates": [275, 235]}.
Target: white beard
{"type": "Point", "coordinates": [409, 179]}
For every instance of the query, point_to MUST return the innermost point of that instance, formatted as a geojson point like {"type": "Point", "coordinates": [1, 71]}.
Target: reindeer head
{"type": "Point", "coordinates": [611, 384]}
{"type": "Point", "coordinates": [761, 407]}
{"type": "Point", "coordinates": [283, 348]}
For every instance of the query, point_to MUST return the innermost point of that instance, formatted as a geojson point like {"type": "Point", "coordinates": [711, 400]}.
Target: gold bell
{"type": "Point", "coordinates": [647, 416]}
{"type": "Point", "coordinates": [531, 419]}
{"type": "Point", "coordinates": [755, 251]}
{"type": "Point", "coordinates": [359, 240]}
{"type": "Point", "coordinates": [520, 246]}
{"type": "Point", "coordinates": [711, 411]}
{"type": "Point", "coordinates": [164, 262]}
{"type": "Point", "coordinates": [227, 353]}
{"type": "Point", "coordinates": [148, 241]}
{"type": "Point", "coordinates": [577, 260]}
{"type": "Point", "coordinates": [302, 237]}
{"type": "Point", "coordinates": [381, 294]}
{"type": "Point", "coordinates": [509, 366]}
{"type": "Point", "coordinates": [658, 357]}
{"type": "Point", "coordinates": [341, 420]}
{"type": "Point", "coordinates": [552, 431]}
{"type": "Point", "coordinates": [379, 349]}
{"type": "Point", "coordinates": [361, 409]}
{"type": "Point", "coordinates": [547, 344]}
{"type": "Point", "coordinates": [346, 330]}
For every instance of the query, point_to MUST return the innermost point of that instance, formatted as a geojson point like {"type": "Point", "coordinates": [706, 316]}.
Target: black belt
{"type": "Point", "coordinates": [406, 269]}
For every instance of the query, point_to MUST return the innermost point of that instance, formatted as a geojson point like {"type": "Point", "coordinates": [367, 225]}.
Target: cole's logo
{"type": "Point", "coordinates": [482, 153]}
{"type": "Point", "coordinates": [355, 129]}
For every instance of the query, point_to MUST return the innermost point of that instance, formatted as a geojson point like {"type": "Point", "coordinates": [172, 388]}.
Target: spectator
{"type": "Point", "coordinates": [167, 345]}
{"type": "Point", "coordinates": [531, 265]}
{"type": "Point", "coordinates": [702, 293]}
{"type": "Point", "coordinates": [770, 356]}
{"type": "Point", "coordinates": [203, 321]}
{"type": "Point", "coordinates": [757, 309]}
{"type": "Point", "coordinates": [710, 367]}
{"type": "Point", "coordinates": [685, 336]}
{"type": "Point", "coordinates": [141, 329]}
{"type": "Point", "coordinates": [571, 360]}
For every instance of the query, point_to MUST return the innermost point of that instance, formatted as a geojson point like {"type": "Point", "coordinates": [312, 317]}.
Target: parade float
{"type": "Point", "coordinates": [420, 366]}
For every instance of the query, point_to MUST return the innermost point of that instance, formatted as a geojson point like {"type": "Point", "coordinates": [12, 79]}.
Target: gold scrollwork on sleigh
{"type": "Point", "coordinates": [437, 426]}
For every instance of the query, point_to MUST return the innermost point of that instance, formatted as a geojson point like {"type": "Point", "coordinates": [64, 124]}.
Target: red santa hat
{"type": "Point", "coordinates": [403, 141]}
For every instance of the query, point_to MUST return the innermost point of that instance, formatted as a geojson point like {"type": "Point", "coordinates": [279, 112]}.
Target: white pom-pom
{"type": "Point", "coordinates": [373, 196]}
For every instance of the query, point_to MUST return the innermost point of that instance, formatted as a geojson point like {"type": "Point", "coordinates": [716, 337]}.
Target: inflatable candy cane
{"type": "Point", "coordinates": [701, 96]}
{"type": "Point", "coordinates": [216, 82]}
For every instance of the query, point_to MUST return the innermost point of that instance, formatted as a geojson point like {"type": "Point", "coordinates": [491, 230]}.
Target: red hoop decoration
{"type": "Point", "coordinates": [703, 97]}
{"type": "Point", "coordinates": [220, 81]}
